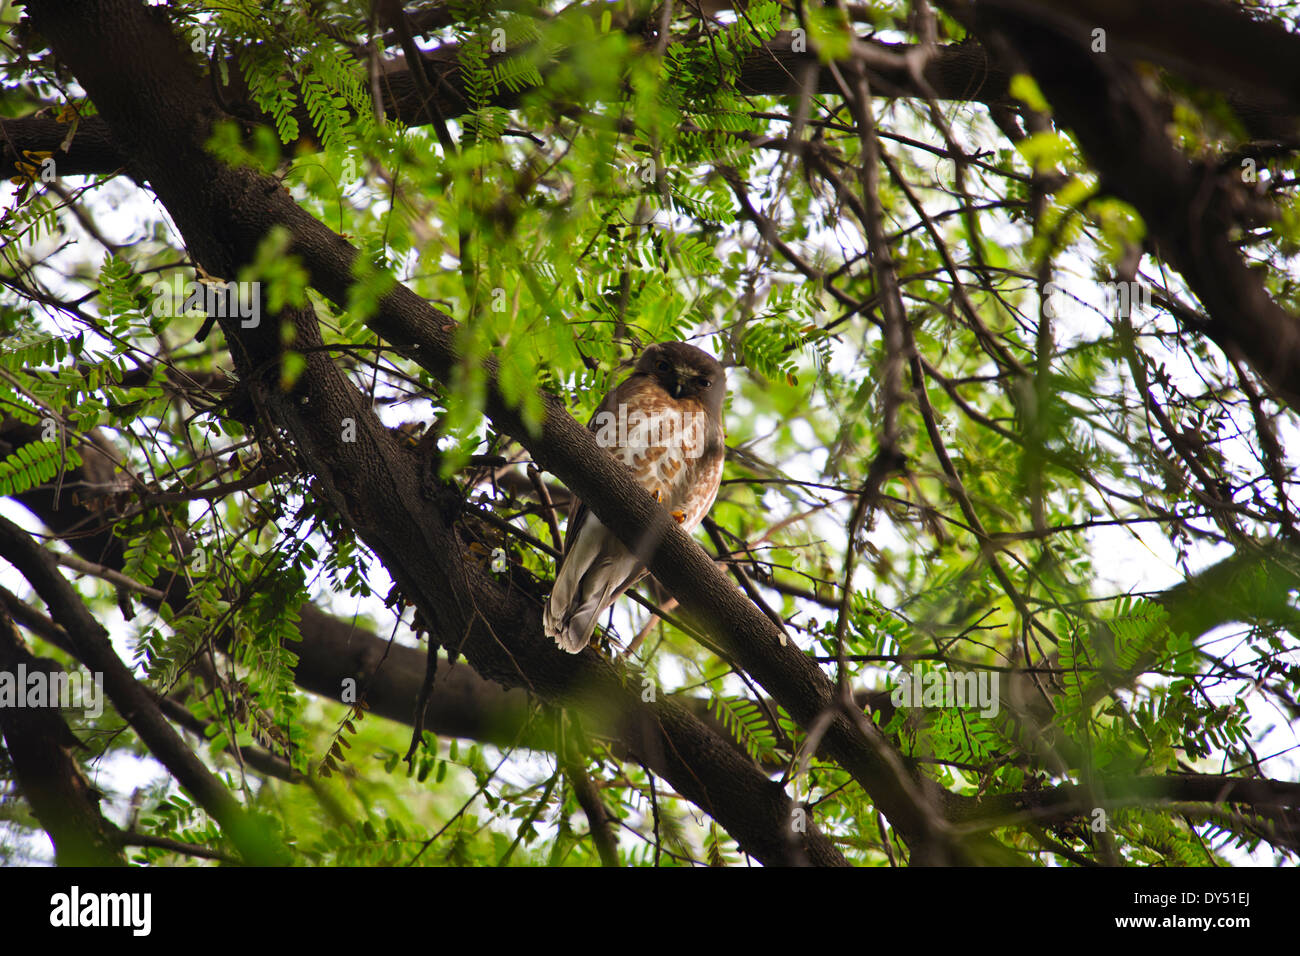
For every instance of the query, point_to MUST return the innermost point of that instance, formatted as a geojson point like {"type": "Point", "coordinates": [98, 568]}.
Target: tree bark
{"type": "Point", "coordinates": [39, 745]}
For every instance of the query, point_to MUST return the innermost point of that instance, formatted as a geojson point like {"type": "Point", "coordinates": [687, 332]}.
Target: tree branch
{"type": "Point", "coordinates": [130, 699]}
{"type": "Point", "coordinates": [38, 744]}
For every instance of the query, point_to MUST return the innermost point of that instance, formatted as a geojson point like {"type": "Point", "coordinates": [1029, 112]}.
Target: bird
{"type": "Point", "coordinates": [664, 421]}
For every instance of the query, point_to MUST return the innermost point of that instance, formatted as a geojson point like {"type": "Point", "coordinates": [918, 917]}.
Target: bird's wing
{"type": "Point", "coordinates": [577, 508]}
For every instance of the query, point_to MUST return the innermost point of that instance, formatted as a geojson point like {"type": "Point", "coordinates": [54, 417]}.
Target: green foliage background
{"type": "Point", "coordinates": [591, 218]}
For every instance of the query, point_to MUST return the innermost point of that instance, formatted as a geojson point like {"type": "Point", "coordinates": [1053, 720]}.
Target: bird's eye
{"type": "Point", "coordinates": [703, 382]}
{"type": "Point", "coordinates": [664, 366]}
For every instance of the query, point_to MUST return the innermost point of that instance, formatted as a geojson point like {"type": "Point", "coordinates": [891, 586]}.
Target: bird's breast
{"type": "Point", "coordinates": [665, 442]}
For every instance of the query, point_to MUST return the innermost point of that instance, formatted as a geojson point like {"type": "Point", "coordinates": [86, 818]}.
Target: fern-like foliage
{"type": "Point", "coordinates": [745, 720]}
{"type": "Point", "coordinates": [34, 464]}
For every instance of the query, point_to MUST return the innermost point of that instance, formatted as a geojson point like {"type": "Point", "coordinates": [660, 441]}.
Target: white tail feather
{"type": "Point", "coordinates": [595, 572]}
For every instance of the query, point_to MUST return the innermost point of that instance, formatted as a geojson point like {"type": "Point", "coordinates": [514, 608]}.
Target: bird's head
{"type": "Point", "coordinates": [683, 371]}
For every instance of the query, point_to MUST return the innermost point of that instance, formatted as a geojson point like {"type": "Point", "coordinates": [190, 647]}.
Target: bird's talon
{"type": "Point", "coordinates": [679, 516]}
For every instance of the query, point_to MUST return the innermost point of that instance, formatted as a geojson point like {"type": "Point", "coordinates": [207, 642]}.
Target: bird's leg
{"type": "Point", "coordinates": [679, 516]}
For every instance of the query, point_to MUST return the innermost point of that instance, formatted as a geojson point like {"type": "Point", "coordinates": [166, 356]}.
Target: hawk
{"type": "Point", "coordinates": [664, 421]}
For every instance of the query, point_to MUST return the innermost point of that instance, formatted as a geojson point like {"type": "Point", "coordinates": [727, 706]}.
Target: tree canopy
{"type": "Point", "coordinates": [303, 306]}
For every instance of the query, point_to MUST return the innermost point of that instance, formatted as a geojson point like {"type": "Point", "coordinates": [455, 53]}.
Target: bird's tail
{"type": "Point", "coordinates": [572, 629]}
{"type": "Point", "coordinates": [595, 572]}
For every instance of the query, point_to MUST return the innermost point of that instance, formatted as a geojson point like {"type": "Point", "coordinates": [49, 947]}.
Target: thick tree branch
{"type": "Point", "coordinates": [956, 72]}
{"type": "Point", "coordinates": [333, 654]}
{"type": "Point", "coordinates": [1276, 798]}
{"type": "Point", "coordinates": [39, 744]}
{"type": "Point", "coordinates": [1192, 210]}
{"type": "Point", "coordinates": [130, 699]}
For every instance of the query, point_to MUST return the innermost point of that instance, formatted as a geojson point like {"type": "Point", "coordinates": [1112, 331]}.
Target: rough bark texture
{"type": "Point", "coordinates": [1192, 209]}
{"type": "Point", "coordinates": [131, 700]}
{"type": "Point", "coordinates": [39, 744]}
